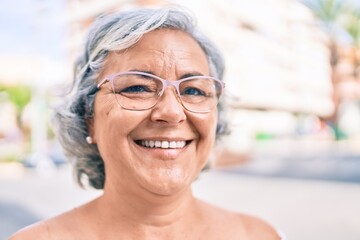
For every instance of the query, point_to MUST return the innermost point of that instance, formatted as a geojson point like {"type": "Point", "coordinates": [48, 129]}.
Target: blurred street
{"type": "Point", "coordinates": [301, 208]}
{"type": "Point", "coordinates": [311, 159]}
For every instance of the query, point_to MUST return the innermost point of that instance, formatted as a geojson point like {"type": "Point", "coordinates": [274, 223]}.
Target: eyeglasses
{"type": "Point", "coordinates": [141, 91]}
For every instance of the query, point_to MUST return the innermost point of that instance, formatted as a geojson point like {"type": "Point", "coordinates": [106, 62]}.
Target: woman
{"type": "Point", "coordinates": [140, 124]}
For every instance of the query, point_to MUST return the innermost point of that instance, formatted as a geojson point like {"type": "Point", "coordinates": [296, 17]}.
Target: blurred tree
{"type": "Point", "coordinates": [351, 24]}
{"type": "Point", "coordinates": [19, 95]}
{"type": "Point", "coordinates": [329, 12]}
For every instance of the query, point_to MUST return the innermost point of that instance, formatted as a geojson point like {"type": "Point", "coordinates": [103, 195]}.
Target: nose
{"type": "Point", "coordinates": [169, 108]}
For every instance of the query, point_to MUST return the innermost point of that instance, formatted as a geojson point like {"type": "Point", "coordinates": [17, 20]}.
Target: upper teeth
{"type": "Point", "coordinates": [163, 144]}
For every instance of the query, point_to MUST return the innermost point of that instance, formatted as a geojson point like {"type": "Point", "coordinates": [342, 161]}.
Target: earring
{"type": "Point", "coordinates": [89, 140]}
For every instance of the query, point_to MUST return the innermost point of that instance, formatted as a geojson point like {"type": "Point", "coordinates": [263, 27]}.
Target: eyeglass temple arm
{"type": "Point", "coordinates": [95, 89]}
{"type": "Point", "coordinates": [101, 83]}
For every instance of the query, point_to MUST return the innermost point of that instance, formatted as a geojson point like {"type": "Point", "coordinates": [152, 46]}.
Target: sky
{"type": "Point", "coordinates": [25, 29]}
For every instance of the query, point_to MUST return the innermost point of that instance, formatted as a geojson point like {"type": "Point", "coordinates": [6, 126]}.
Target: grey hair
{"type": "Point", "coordinates": [116, 32]}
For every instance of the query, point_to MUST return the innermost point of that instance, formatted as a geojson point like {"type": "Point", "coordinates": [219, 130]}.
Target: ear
{"type": "Point", "coordinates": [90, 128]}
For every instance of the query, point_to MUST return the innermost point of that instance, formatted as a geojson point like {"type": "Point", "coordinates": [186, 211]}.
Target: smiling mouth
{"type": "Point", "coordinates": [162, 144]}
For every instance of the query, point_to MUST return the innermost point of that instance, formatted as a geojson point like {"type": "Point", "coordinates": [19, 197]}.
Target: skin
{"type": "Point", "coordinates": [163, 172]}
{"type": "Point", "coordinates": [147, 193]}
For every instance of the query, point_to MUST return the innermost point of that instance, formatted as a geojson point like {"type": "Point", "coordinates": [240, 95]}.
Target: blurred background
{"type": "Point", "coordinates": [293, 91]}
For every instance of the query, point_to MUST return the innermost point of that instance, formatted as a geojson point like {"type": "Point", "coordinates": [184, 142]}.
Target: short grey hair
{"type": "Point", "coordinates": [116, 32]}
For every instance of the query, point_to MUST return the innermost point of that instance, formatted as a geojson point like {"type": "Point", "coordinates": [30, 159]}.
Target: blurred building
{"type": "Point", "coordinates": [277, 60]}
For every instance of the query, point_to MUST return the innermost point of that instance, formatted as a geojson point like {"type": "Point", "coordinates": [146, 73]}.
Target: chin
{"type": "Point", "coordinates": [166, 181]}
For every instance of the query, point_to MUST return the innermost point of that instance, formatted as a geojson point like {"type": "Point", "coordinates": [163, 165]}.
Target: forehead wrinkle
{"type": "Point", "coordinates": [165, 60]}
{"type": "Point", "coordinates": [169, 62]}
{"type": "Point", "coordinates": [164, 56]}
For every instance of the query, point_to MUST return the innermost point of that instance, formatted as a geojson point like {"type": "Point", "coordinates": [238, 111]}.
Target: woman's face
{"type": "Point", "coordinates": [169, 54]}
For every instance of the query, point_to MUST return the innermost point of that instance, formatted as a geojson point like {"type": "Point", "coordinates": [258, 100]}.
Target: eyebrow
{"type": "Point", "coordinates": [186, 75]}
{"type": "Point", "coordinates": [139, 70]}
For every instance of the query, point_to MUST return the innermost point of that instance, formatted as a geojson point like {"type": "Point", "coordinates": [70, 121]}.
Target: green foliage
{"type": "Point", "coordinates": [338, 14]}
{"type": "Point", "coordinates": [20, 95]}
{"type": "Point", "coordinates": [351, 23]}
{"type": "Point", "coordinates": [263, 136]}
{"type": "Point", "coordinates": [327, 11]}
{"type": "Point", "coordinates": [9, 158]}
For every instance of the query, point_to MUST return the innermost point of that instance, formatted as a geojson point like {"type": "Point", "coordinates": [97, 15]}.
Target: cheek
{"type": "Point", "coordinates": [103, 108]}
{"type": "Point", "coordinates": [112, 134]}
{"type": "Point", "coordinates": [111, 122]}
{"type": "Point", "coordinates": [205, 125]}
{"type": "Point", "coordinates": [115, 125]}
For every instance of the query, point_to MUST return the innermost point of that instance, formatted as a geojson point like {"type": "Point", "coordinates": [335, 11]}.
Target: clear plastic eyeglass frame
{"type": "Point", "coordinates": [165, 84]}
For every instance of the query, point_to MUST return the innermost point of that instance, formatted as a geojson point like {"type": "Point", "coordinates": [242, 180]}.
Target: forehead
{"type": "Point", "coordinates": [160, 50]}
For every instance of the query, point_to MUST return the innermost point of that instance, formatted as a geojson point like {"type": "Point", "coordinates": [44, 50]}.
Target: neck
{"type": "Point", "coordinates": [144, 205]}
{"type": "Point", "coordinates": [147, 214]}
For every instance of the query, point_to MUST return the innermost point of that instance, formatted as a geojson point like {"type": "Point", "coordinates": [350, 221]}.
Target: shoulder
{"type": "Point", "coordinates": [257, 228]}
{"type": "Point", "coordinates": [39, 231]}
{"type": "Point", "coordinates": [50, 229]}
{"type": "Point", "coordinates": [240, 225]}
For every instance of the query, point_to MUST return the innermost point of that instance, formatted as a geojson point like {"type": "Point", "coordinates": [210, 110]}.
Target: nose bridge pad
{"type": "Point", "coordinates": [173, 86]}
{"type": "Point", "coordinates": [165, 85]}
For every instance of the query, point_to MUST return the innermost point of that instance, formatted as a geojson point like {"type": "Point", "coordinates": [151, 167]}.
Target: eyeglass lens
{"type": "Point", "coordinates": [140, 92]}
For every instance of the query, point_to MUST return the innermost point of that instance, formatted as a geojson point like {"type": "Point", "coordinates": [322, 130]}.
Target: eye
{"type": "Point", "coordinates": [135, 89]}
{"type": "Point", "coordinates": [192, 92]}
